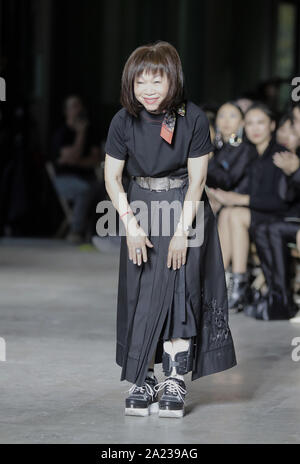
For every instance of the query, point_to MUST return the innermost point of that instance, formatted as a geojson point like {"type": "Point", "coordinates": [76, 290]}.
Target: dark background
{"type": "Point", "coordinates": [50, 48]}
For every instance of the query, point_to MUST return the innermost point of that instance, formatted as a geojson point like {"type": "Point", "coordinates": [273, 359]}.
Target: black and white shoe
{"type": "Point", "coordinates": [142, 401]}
{"type": "Point", "coordinates": [171, 403]}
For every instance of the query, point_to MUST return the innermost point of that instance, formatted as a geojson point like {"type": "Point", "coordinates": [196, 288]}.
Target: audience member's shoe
{"type": "Point", "coordinates": [171, 403]}
{"type": "Point", "coordinates": [271, 307]}
{"type": "Point", "coordinates": [258, 309]}
{"type": "Point", "coordinates": [238, 294]}
{"type": "Point", "coordinates": [142, 401]}
{"type": "Point", "coordinates": [74, 238]}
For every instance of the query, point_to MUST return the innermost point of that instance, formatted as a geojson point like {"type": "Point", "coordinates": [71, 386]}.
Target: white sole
{"type": "Point", "coordinates": [142, 412]}
{"type": "Point", "coordinates": [176, 413]}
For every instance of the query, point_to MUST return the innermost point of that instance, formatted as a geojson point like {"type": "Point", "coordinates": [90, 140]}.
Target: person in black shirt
{"type": "Point", "coordinates": [227, 169]}
{"type": "Point", "coordinates": [287, 135]}
{"type": "Point", "coordinates": [272, 238]}
{"type": "Point", "coordinates": [172, 299]}
{"type": "Point", "coordinates": [260, 203]}
{"type": "Point", "coordinates": [76, 153]}
{"type": "Point", "coordinates": [296, 118]}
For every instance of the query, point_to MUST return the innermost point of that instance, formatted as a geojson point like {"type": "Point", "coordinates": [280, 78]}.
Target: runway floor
{"type": "Point", "coordinates": [60, 383]}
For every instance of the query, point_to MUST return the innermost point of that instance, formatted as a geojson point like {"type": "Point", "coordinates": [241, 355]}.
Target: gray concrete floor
{"type": "Point", "coordinates": [60, 383]}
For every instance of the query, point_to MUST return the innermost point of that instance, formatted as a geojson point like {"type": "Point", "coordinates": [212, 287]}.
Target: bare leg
{"type": "Point", "coordinates": [240, 223]}
{"type": "Point", "coordinates": [224, 228]}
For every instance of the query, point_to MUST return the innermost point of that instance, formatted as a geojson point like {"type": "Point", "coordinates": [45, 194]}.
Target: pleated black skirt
{"type": "Point", "coordinates": [157, 303]}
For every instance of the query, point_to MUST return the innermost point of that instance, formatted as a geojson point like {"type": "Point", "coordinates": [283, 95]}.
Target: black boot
{"type": "Point", "coordinates": [142, 401]}
{"type": "Point", "coordinates": [174, 366]}
{"type": "Point", "coordinates": [272, 307]}
{"type": "Point", "coordinates": [238, 292]}
{"type": "Point", "coordinates": [258, 309]}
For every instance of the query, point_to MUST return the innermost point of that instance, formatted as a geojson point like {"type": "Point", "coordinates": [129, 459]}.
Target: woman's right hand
{"type": "Point", "coordinates": [137, 238]}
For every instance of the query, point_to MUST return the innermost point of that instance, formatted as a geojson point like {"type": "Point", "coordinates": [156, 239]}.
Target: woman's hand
{"type": "Point", "coordinates": [214, 203]}
{"type": "Point", "coordinates": [67, 157]}
{"type": "Point", "coordinates": [288, 162]}
{"type": "Point", "coordinates": [177, 250]}
{"type": "Point", "coordinates": [230, 198]}
{"type": "Point", "coordinates": [223, 197]}
{"type": "Point", "coordinates": [137, 238]}
{"type": "Point", "coordinates": [81, 124]}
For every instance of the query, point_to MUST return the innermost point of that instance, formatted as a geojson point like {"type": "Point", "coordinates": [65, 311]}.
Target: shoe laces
{"type": "Point", "coordinates": [145, 388]}
{"type": "Point", "coordinates": [172, 387]}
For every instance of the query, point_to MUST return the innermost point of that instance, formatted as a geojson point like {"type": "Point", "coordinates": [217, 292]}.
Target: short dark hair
{"type": "Point", "coordinates": [286, 117]}
{"type": "Point", "coordinates": [235, 104]}
{"type": "Point", "coordinates": [159, 57]}
{"type": "Point", "coordinates": [257, 105]}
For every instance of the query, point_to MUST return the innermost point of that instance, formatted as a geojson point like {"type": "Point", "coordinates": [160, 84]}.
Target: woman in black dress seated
{"type": "Point", "coordinates": [260, 204]}
{"type": "Point", "coordinates": [227, 169]}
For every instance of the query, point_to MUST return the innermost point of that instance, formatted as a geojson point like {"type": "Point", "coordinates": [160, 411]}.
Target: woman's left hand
{"type": "Point", "coordinates": [288, 162]}
{"type": "Point", "coordinates": [177, 250]}
{"type": "Point", "coordinates": [224, 197]}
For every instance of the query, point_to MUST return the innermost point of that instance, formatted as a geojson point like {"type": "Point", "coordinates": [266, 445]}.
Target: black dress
{"type": "Point", "coordinates": [228, 168]}
{"type": "Point", "coordinates": [156, 303]}
{"type": "Point", "coordinates": [264, 179]}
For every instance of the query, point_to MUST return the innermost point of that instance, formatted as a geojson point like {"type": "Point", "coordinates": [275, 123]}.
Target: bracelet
{"type": "Point", "coordinates": [185, 229]}
{"type": "Point", "coordinates": [127, 212]}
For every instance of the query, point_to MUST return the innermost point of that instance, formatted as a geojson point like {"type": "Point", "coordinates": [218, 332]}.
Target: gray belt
{"type": "Point", "coordinates": [158, 183]}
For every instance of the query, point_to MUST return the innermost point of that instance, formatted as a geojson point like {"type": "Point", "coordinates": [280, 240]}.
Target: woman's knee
{"type": "Point", "coordinates": [240, 216]}
{"type": "Point", "coordinates": [224, 214]}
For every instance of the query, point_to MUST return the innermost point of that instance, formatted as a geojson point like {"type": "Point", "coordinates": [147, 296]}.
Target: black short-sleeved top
{"type": "Point", "coordinates": [138, 142]}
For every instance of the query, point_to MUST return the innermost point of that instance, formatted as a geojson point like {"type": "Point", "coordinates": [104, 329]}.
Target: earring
{"type": "Point", "coordinates": [218, 139]}
{"type": "Point", "coordinates": [236, 139]}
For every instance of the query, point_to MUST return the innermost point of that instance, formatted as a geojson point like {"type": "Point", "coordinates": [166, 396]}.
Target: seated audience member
{"type": "Point", "coordinates": [259, 203]}
{"type": "Point", "coordinates": [286, 134]}
{"type": "Point", "coordinates": [296, 121]}
{"type": "Point", "coordinates": [244, 103]}
{"type": "Point", "coordinates": [76, 154]}
{"type": "Point", "coordinates": [272, 240]}
{"type": "Point", "coordinates": [228, 167]}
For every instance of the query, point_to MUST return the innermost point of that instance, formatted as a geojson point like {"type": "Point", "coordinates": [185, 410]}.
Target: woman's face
{"type": "Point", "coordinates": [73, 107]}
{"type": "Point", "coordinates": [287, 136]}
{"type": "Point", "coordinates": [258, 126]}
{"type": "Point", "coordinates": [229, 120]}
{"type": "Point", "coordinates": [151, 89]}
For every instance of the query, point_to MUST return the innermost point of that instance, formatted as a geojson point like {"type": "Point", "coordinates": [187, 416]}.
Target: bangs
{"type": "Point", "coordinates": [151, 63]}
{"type": "Point", "coordinates": [159, 58]}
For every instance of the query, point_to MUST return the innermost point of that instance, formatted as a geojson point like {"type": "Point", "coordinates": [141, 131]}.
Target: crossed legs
{"type": "Point", "coordinates": [234, 224]}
